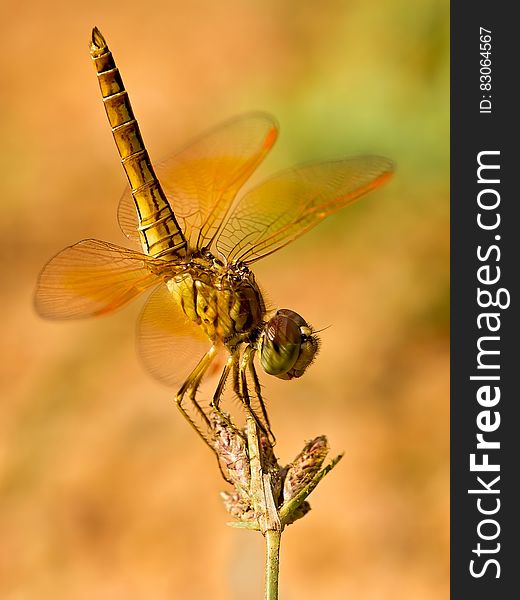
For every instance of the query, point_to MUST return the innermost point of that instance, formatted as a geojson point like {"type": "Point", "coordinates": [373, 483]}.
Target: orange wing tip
{"type": "Point", "coordinates": [97, 44]}
{"type": "Point", "coordinates": [387, 168]}
{"type": "Point", "coordinates": [270, 138]}
{"type": "Point", "coordinates": [369, 187]}
{"type": "Point", "coordinates": [384, 177]}
{"type": "Point", "coordinates": [374, 184]}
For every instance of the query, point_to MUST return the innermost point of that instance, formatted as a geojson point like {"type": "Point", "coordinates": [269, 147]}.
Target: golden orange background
{"type": "Point", "coordinates": [105, 492]}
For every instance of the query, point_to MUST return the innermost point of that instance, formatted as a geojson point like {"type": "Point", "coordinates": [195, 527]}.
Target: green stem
{"type": "Point", "coordinates": [289, 507]}
{"type": "Point", "coordinates": [272, 563]}
{"type": "Point", "coordinates": [266, 513]}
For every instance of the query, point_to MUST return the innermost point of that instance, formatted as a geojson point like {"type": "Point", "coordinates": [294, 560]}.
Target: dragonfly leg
{"type": "Point", "coordinates": [258, 392]}
{"type": "Point", "coordinates": [189, 388]}
{"type": "Point", "coordinates": [242, 391]}
{"type": "Point", "coordinates": [215, 403]}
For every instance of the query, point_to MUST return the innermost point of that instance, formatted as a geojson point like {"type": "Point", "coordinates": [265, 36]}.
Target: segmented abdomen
{"type": "Point", "coordinates": [159, 231]}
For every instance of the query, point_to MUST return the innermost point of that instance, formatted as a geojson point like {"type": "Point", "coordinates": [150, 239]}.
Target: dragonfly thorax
{"type": "Point", "coordinates": [224, 300]}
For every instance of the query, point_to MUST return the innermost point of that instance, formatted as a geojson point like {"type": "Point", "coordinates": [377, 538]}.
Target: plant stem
{"type": "Point", "coordinates": [266, 512]}
{"type": "Point", "coordinates": [272, 563]}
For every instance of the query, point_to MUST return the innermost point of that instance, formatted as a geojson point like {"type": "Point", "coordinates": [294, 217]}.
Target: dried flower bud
{"type": "Point", "coordinates": [237, 507]}
{"type": "Point", "coordinates": [271, 466]}
{"type": "Point", "coordinates": [305, 466]}
{"type": "Point", "coordinates": [231, 449]}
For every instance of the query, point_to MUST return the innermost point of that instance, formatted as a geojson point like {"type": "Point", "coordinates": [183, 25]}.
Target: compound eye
{"type": "Point", "coordinates": [280, 346]}
{"type": "Point", "coordinates": [293, 316]}
{"type": "Point", "coordinates": [288, 345]}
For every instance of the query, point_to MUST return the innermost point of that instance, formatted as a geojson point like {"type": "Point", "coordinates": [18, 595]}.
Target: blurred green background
{"type": "Point", "coordinates": [104, 491]}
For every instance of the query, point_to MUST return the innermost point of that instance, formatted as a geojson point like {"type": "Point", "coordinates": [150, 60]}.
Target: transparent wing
{"type": "Point", "coordinates": [91, 278]}
{"type": "Point", "coordinates": [127, 216]}
{"type": "Point", "coordinates": [202, 180]}
{"type": "Point", "coordinates": [284, 207]}
{"type": "Point", "coordinates": [169, 344]}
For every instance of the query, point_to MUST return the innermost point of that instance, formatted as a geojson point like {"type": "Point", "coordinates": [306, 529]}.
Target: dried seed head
{"type": "Point", "coordinates": [237, 507]}
{"type": "Point", "coordinates": [305, 466]}
{"type": "Point", "coordinates": [231, 449]}
{"type": "Point", "coordinates": [271, 466]}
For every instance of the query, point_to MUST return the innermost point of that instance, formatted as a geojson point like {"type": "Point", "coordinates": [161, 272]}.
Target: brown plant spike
{"type": "Point", "coordinates": [289, 485]}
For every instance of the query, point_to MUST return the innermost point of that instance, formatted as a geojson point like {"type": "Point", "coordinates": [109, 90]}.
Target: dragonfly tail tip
{"type": "Point", "coordinates": [98, 41]}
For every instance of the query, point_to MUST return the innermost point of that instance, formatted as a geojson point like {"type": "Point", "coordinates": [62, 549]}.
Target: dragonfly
{"type": "Point", "coordinates": [198, 239]}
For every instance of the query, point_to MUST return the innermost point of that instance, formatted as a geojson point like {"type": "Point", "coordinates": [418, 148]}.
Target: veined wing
{"type": "Point", "coordinates": [287, 205]}
{"type": "Point", "coordinates": [92, 278]}
{"type": "Point", "coordinates": [202, 180]}
{"type": "Point", "coordinates": [169, 343]}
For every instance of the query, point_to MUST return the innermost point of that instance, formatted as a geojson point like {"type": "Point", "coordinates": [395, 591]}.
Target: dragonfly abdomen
{"type": "Point", "coordinates": [227, 308]}
{"type": "Point", "coordinates": [158, 229]}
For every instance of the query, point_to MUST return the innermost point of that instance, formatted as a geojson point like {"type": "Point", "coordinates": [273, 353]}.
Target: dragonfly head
{"type": "Point", "coordinates": [288, 345]}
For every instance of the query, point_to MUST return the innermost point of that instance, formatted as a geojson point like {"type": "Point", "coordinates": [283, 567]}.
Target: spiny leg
{"type": "Point", "coordinates": [243, 391]}
{"type": "Point", "coordinates": [190, 387]}
{"type": "Point", "coordinates": [215, 403]}
{"type": "Point", "coordinates": [258, 392]}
